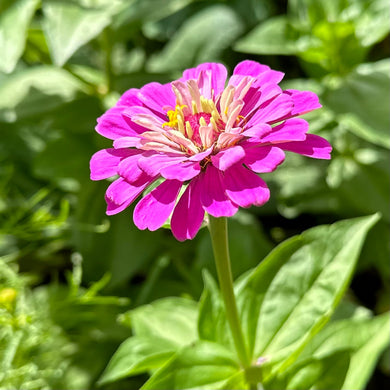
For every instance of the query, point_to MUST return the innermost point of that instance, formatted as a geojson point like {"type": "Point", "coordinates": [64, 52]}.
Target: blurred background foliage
{"type": "Point", "coordinates": [65, 267]}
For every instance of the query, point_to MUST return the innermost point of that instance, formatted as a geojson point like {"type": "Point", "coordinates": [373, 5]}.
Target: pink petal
{"type": "Point", "coordinates": [127, 142]}
{"type": "Point", "coordinates": [155, 208]}
{"type": "Point", "coordinates": [130, 98]}
{"type": "Point", "coordinates": [228, 157]}
{"type": "Point", "coordinates": [158, 97]}
{"type": "Point", "coordinates": [128, 168]}
{"type": "Point", "coordinates": [182, 171]}
{"type": "Point", "coordinates": [112, 125]}
{"type": "Point", "coordinates": [144, 118]}
{"type": "Point", "coordinates": [244, 187]}
{"type": "Point", "coordinates": [314, 146]}
{"type": "Point", "coordinates": [104, 163]}
{"type": "Point", "coordinates": [120, 193]}
{"type": "Point", "coordinates": [152, 163]}
{"type": "Point", "coordinates": [290, 130]}
{"type": "Point", "coordinates": [264, 158]}
{"type": "Point", "coordinates": [188, 215]}
{"type": "Point", "coordinates": [274, 111]}
{"type": "Point", "coordinates": [213, 197]}
{"type": "Point", "coordinates": [304, 101]}
{"type": "Point", "coordinates": [216, 73]}
{"type": "Point", "coordinates": [250, 68]}
{"type": "Point", "coordinates": [259, 131]}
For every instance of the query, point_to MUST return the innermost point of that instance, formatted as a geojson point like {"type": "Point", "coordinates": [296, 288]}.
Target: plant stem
{"type": "Point", "coordinates": [219, 239]}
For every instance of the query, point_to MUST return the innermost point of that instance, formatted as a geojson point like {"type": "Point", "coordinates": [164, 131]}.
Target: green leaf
{"type": "Point", "coordinates": [200, 39]}
{"type": "Point", "coordinates": [273, 36]}
{"type": "Point", "coordinates": [68, 26]}
{"type": "Point", "coordinates": [203, 365]}
{"type": "Point", "coordinates": [288, 298]}
{"type": "Point", "coordinates": [212, 325]}
{"type": "Point", "coordinates": [373, 24]}
{"type": "Point", "coordinates": [14, 22]}
{"type": "Point", "coordinates": [172, 319]}
{"type": "Point", "coordinates": [362, 102]}
{"type": "Point", "coordinates": [341, 356]}
{"type": "Point", "coordinates": [137, 355]}
{"type": "Point", "coordinates": [36, 91]}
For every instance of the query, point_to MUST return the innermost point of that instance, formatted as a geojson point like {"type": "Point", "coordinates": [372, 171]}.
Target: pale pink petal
{"type": "Point", "coordinates": [314, 146]}
{"type": "Point", "coordinates": [155, 208]}
{"type": "Point", "coordinates": [127, 142]}
{"type": "Point", "coordinates": [216, 72]}
{"type": "Point", "coordinates": [200, 156]}
{"type": "Point", "coordinates": [120, 193]}
{"type": "Point", "coordinates": [158, 97]}
{"type": "Point", "coordinates": [293, 129]}
{"type": "Point", "coordinates": [153, 163]}
{"type": "Point", "coordinates": [182, 171]}
{"type": "Point", "coordinates": [213, 197]}
{"type": "Point", "coordinates": [304, 101]}
{"type": "Point", "coordinates": [263, 158]}
{"type": "Point", "coordinates": [188, 215]}
{"type": "Point", "coordinates": [104, 163]}
{"type": "Point", "coordinates": [244, 187]}
{"type": "Point", "coordinates": [228, 157]}
{"type": "Point", "coordinates": [144, 118]}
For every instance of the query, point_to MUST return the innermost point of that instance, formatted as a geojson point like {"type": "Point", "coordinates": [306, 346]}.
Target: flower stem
{"type": "Point", "coordinates": [219, 239]}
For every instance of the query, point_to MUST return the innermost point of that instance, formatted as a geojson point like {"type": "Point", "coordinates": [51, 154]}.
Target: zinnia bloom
{"type": "Point", "coordinates": [206, 140]}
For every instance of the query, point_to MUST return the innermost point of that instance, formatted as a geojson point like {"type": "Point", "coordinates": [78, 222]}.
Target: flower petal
{"type": "Point", "coordinates": [128, 168]}
{"type": "Point", "coordinates": [188, 215]}
{"type": "Point", "coordinates": [263, 158]}
{"type": "Point", "coordinates": [244, 187]}
{"type": "Point", "coordinates": [121, 193]}
{"type": "Point", "coordinates": [104, 163]}
{"type": "Point", "coordinates": [154, 209]}
{"type": "Point", "coordinates": [112, 125]}
{"type": "Point", "coordinates": [304, 101]}
{"type": "Point", "coordinates": [212, 76]}
{"type": "Point", "coordinates": [182, 171]}
{"type": "Point", "coordinates": [314, 146]}
{"type": "Point", "coordinates": [213, 197]}
{"type": "Point", "coordinates": [228, 157]}
{"type": "Point", "coordinates": [293, 129]}
{"type": "Point", "coordinates": [250, 68]}
{"type": "Point", "coordinates": [158, 97]}
{"type": "Point", "coordinates": [274, 111]}
{"type": "Point", "coordinates": [153, 163]}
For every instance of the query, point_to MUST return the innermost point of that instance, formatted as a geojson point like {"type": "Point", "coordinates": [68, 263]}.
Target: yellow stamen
{"type": "Point", "coordinates": [189, 130]}
{"type": "Point", "coordinates": [173, 118]}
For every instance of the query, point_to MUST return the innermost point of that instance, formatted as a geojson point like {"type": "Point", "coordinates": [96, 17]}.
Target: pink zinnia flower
{"type": "Point", "coordinates": [205, 135]}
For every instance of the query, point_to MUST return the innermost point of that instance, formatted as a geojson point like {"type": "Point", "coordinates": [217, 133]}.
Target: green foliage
{"type": "Point", "coordinates": [63, 64]}
{"type": "Point", "coordinates": [289, 347]}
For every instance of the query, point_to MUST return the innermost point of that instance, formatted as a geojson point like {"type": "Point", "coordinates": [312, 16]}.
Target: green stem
{"type": "Point", "coordinates": [219, 239]}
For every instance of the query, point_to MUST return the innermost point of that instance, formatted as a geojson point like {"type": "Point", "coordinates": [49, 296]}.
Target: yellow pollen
{"type": "Point", "coordinates": [173, 117]}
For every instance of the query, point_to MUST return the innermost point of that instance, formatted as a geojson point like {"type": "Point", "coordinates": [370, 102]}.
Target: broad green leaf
{"type": "Point", "coordinates": [137, 355]}
{"type": "Point", "coordinates": [341, 356]}
{"type": "Point", "coordinates": [14, 22]}
{"type": "Point", "coordinates": [200, 39]}
{"type": "Point", "coordinates": [36, 91]}
{"type": "Point", "coordinates": [373, 24]}
{"type": "Point", "coordinates": [273, 36]}
{"type": "Point", "coordinates": [287, 299]}
{"type": "Point", "coordinates": [202, 365]}
{"type": "Point", "coordinates": [172, 319]}
{"type": "Point", "coordinates": [68, 26]}
{"type": "Point", "coordinates": [362, 180]}
{"type": "Point", "coordinates": [362, 102]}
